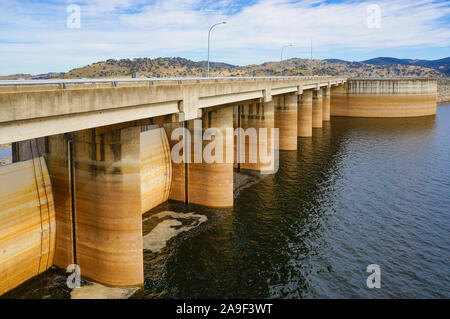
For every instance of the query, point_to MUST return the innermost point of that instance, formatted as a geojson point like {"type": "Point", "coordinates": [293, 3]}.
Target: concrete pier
{"type": "Point", "coordinates": [304, 119]}
{"type": "Point", "coordinates": [253, 146]}
{"type": "Point", "coordinates": [286, 120]}
{"type": "Point", "coordinates": [317, 110]}
{"type": "Point", "coordinates": [211, 184]}
{"type": "Point", "coordinates": [108, 222]}
{"type": "Point", "coordinates": [326, 95]}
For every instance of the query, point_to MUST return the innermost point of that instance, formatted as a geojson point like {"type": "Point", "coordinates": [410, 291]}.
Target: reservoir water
{"type": "Point", "coordinates": [359, 192]}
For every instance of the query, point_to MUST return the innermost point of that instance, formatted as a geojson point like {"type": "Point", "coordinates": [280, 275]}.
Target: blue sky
{"type": "Point", "coordinates": [34, 37]}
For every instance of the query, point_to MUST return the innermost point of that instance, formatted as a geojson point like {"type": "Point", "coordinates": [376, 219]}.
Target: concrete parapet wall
{"type": "Point", "coordinates": [384, 98]}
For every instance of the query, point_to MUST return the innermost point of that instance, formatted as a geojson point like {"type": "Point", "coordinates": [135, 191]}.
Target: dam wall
{"type": "Point", "coordinates": [75, 194]}
{"type": "Point", "coordinates": [384, 98]}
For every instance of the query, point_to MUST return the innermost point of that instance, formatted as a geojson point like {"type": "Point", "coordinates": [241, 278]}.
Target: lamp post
{"type": "Point", "coordinates": [209, 36]}
{"type": "Point", "coordinates": [281, 60]}
{"type": "Point", "coordinates": [310, 61]}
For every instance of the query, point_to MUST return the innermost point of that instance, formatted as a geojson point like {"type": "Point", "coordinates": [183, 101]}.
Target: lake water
{"type": "Point", "coordinates": [5, 150]}
{"type": "Point", "coordinates": [359, 192]}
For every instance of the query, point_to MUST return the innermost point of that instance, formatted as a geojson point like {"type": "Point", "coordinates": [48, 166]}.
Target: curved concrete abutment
{"type": "Point", "coordinates": [27, 221]}
{"type": "Point", "coordinates": [156, 167]}
{"type": "Point", "coordinates": [384, 98]}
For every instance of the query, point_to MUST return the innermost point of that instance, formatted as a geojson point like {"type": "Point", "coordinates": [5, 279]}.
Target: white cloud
{"type": "Point", "coordinates": [255, 33]}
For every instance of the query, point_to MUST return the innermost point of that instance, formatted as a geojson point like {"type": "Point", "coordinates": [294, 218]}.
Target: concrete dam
{"type": "Point", "coordinates": [90, 157]}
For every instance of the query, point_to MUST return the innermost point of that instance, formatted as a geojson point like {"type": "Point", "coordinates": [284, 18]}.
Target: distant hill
{"type": "Point", "coordinates": [17, 77]}
{"type": "Point", "coordinates": [180, 67]}
{"type": "Point", "coordinates": [387, 61]}
{"type": "Point", "coordinates": [441, 65]}
{"type": "Point", "coordinates": [336, 61]}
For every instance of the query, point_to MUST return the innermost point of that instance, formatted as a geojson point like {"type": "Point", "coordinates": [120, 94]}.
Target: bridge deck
{"type": "Point", "coordinates": [36, 108]}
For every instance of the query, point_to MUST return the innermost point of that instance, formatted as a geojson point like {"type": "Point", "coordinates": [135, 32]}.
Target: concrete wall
{"type": "Point", "coordinates": [384, 98]}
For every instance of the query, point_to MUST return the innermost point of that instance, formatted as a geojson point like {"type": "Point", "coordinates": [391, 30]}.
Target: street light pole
{"type": "Point", "coordinates": [310, 61]}
{"type": "Point", "coordinates": [281, 60]}
{"type": "Point", "coordinates": [209, 36]}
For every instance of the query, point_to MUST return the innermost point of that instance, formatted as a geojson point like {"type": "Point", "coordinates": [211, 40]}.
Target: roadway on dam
{"type": "Point", "coordinates": [361, 191]}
